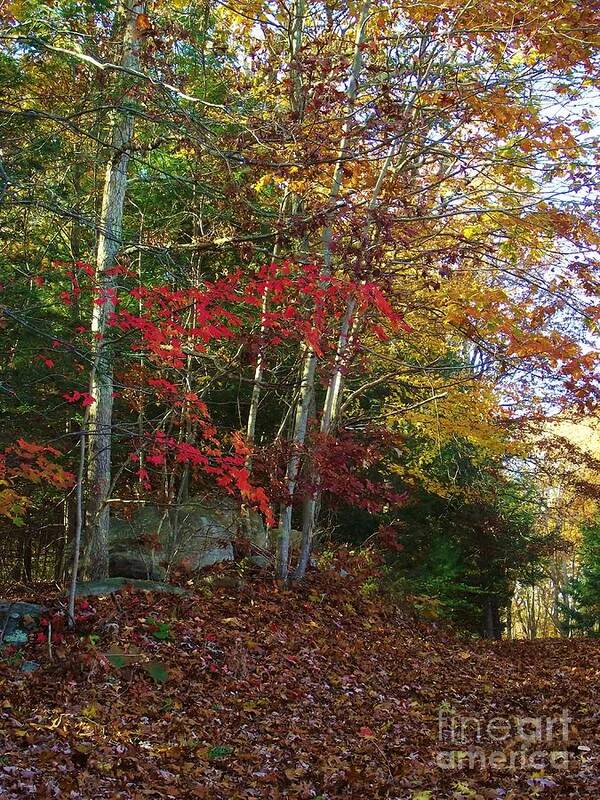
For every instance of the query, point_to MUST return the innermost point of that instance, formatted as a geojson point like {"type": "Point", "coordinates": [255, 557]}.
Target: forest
{"type": "Point", "coordinates": [299, 397]}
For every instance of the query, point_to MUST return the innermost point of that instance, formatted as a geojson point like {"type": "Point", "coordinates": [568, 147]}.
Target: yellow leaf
{"type": "Point", "coordinates": [261, 183]}
{"type": "Point", "coordinates": [233, 621]}
{"type": "Point", "coordinates": [90, 712]}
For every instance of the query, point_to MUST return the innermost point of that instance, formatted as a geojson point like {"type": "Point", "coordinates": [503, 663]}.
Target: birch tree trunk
{"type": "Point", "coordinates": [334, 389]}
{"type": "Point", "coordinates": [295, 43]}
{"type": "Point", "coordinates": [336, 381]}
{"type": "Point", "coordinates": [329, 411]}
{"type": "Point", "coordinates": [109, 242]}
{"type": "Point", "coordinates": [261, 361]}
{"type": "Point", "coordinates": [78, 523]}
{"type": "Point", "coordinates": [307, 383]}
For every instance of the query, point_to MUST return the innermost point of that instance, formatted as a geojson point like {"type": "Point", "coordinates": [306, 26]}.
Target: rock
{"type": "Point", "coordinates": [23, 616]}
{"type": "Point", "coordinates": [17, 637]}
{"type": "Point", "coordinates": [112, 585]}
{"type": "Point", "coordinates": [195, 533]}
{"type": "Point", "coordinates": [295, 539]}
{"type": "Point", "coordinates": [260, 561]}
{"type": "Point", "coordinates": [254, 528]}
{"type": "Point", "coordinates": [29, 666]}
{"type": "Point", "coordinates": [204, 536]}
{"type": "Point", "coordinates": [134, 565]}
{"type": "Point", "coordinates": [210, 551]}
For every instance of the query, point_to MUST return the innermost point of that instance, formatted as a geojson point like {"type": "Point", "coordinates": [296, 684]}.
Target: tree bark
{"type": "Point", "coordinates": [310, 359]}
{"type": "Point", "coordinates": [295, 43]}
{"type": "Point", "coordinates": [334, 388]}
{"type": "Point", "coordinates": [78, 524]}
{"type": "Point", "coordinates": [99, 432]}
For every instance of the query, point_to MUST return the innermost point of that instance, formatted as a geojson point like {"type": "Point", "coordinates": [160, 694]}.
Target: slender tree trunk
{"type": "Point", "coordinates": [310, 359]}
{"type": "Point", "coordinates": [338, 172]}
{"type": "Point", "coordinates": [27, 554]}
{"type": "Point", "coordinates": [109, 242]}
{"type": "Point", "coordinates": [493, 626]}
{"type": "Point", "coordinates": [329, 411]}
{"type": "Point", "coordinates": [296, 102]}
{"type": "Point", "coordinates": [334, 387]}
{"type": "Point", "coordinates": [566, 597]}
{"type": "Point", "coordinates": [293, 467]}
{"type": "Point", "coordinates": [258, 376]}
{"type": "Point", "coordinates": [261, 357]}
{"type": "Point", "coordinates": [78, 523]}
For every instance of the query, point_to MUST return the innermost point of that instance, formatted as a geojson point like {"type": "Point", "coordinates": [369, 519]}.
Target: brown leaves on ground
{"type": "Point", "coordinates": [260, 693]}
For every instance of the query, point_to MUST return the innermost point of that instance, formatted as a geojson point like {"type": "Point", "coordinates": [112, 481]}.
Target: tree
{"type": "Point", "coordinates": [109, 241]}
{"type": "Point", "coordinates": [336, 227]}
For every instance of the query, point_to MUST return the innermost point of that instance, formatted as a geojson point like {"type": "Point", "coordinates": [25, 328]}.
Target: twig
{"type": "Point", "coordinates": [104, 65]}
{"type": "Point", "coordinates": [78, 521]}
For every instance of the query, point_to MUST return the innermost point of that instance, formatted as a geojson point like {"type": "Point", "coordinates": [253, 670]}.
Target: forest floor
{"type": "Point", "coordinates": [259, 693]}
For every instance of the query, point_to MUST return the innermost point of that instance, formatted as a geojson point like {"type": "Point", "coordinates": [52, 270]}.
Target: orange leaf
{"type": "Point", "coordinates": [143, 25]}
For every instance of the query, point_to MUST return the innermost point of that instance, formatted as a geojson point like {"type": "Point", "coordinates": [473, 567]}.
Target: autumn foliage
{"type": "Point", "coordinates": [334, 266]}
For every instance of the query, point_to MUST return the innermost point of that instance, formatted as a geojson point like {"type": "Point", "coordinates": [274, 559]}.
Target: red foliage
{"type": "Point", "coordinates": [85, 398]}
{"type": "Point", "coordinates": [167, 327]}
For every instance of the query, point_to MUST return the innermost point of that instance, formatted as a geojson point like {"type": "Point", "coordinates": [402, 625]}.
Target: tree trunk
{"type": "Point", "coordinates": [310, 359]}
{"type": "Point", "coordinates": [78, 524]}
{"type": "Point", "coordinates": [493, 628]}
{"type": "Point", "coordinates": [329, 412]}
{"type": "Point", "coordinates": [295, 43]}
{"type": "Point", "coordinates": [27, 554]}
{"type": "Point", "coordinates": [261, 357]}
{"type": "Point", "coordinates": [335, 386]}
{"type": "Point", "coordinates": [293, 467]}
{"type": "Point", "coordinates": [109, 242]}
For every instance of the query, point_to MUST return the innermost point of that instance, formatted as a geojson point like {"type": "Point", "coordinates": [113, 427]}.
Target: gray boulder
{"type": "Point", "coordinates": [134, 565]}
{"type": "Point", "coordinates": [196, 534]}
{"type": "Point", "coordinates": [19, 617]}
{"type": "Point", "coordinates": [112, 585]}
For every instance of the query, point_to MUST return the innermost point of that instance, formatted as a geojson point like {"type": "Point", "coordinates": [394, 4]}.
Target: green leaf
{"type": "Point", "coordinates": [117, 660]}
{"type": "Point", "coordinates": [220, 751]}
{"type": "Point", "coordinates": [163, 632]}
{"type": "Point", "coordinates": [163, 629]}
{"type": "Point", "coordinates": [157, 671]}
{"type": "Point", "coordinates": [464, 789]}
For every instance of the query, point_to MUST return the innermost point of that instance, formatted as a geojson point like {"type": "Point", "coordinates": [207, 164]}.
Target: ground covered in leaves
{"type": "Point", "coordinates": [254, 692]}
